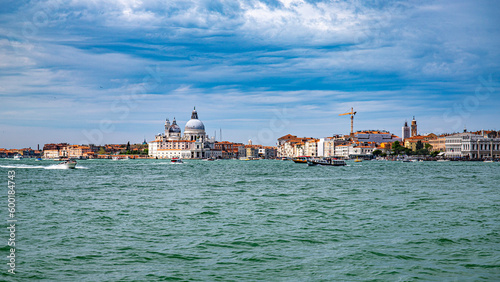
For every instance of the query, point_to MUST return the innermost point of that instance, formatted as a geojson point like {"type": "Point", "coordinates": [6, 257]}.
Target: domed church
{"type": "Point", "coordinates": [194, 144]}
{"type": "Point", "coordinates": [195, 129]}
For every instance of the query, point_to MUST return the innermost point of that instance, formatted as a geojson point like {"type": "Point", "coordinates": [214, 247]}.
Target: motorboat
{"type": "Point", "coordinates": [176, 161]}
{"type": "Point", "coordinates": [301, 159]}
{"type": "Point", "coordinates": [357, 160]}
{"type": "Point", "coordinates": [18, 157]}
{"type": "Point", "coordinates": [69, 164]}
{"type": "Point", "coordinates": [326, 162]}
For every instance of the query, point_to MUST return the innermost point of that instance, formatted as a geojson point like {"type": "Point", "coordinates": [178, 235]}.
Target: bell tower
{"type": "Point", "coordinates": [413, 127]}
{"type": "Point", "coordinates": [167, 126]}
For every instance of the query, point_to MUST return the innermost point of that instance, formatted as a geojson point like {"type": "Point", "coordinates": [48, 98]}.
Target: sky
{"type": "Point", "coordinates": [112, 71]}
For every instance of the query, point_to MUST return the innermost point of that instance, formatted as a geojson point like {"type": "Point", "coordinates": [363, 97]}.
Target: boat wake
{"type": "Point", "coordinates": [54, 166]}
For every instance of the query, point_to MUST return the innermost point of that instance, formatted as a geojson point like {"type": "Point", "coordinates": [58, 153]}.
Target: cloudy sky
{"type": "Point", "coordinates": [111, 71]}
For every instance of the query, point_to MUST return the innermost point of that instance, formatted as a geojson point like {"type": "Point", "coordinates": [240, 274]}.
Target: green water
{"type": "Point", "coordinates": [149, 220]}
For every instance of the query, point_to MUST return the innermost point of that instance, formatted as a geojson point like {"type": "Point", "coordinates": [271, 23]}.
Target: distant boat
{"type": "Point", "coordinates": [487, 161]}
{"type": "Point", "coordinates": [301, 159]}
{"type": "Point", "coordinates": [18, 157]}
{"type": "Point", "coordinates": [176, 161]}
{"type": "Point", "coordinates": [326, 162]}
{"type": "Point", "coordinates": [38, 159]}
{"type": "Point", "coordinates": [357, 160]}
{"type": "Point", "coordinates": [70, 164]}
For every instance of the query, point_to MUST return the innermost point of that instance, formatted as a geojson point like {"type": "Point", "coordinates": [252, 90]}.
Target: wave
{"type": "Point", "coordinates": [54, 166]}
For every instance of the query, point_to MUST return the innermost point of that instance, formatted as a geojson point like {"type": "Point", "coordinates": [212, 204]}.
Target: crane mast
{"type": "Point", "coordinates": [351, 113]}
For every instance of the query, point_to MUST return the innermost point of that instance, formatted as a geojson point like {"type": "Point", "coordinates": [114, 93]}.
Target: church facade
{"type": "Point", "coordinates": [194, 144]}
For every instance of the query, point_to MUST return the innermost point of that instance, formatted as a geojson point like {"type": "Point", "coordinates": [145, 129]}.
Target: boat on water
{"type": "Point", "coordinates": [38, 159]}
{"type": "Point", "coordinates": [209, 159]}
{"type": "Point", "coordinates": [301, 159]}
{"type": "Point", "coordinates": [357, 160]}
{"type": "Point", "coordinates": [176, 161]}
{"type": "Point", "coordinates": [326, 162]}
{"type": "Point", "coordinates": [18, 157]}
{"type": "Point", "coordinates": [69, 164]}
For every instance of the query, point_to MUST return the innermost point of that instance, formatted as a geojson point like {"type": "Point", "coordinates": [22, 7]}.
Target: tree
{"type": "Point", "coordinates": [101, 151]}
{"type": "Point", "coordinates": [423, 152]}
{"type": "Point", "coordinates": [419, 145]}
{"type": "Point", "coordinates": [128, 146]}
{"type": "Point", "coordinates": [397, 148]}
{"type": "Point", "coordinates": [435, 153]}
{"type": "Point", "coordinates": [377, 152]}
{"type": "Point", "coordinates": [428, 146]}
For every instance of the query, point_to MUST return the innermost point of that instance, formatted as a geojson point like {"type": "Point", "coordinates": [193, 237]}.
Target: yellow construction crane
{"type": "Point", "coordinates": [352, 113]}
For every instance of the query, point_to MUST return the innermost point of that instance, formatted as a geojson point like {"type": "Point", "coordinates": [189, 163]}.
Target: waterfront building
{"type": "Point", "coordinates": [292, 146]}
{"type": "Point", "coordinates": [311, 147]}
{"type": "Point", "coordinates": [77, 151]}
{"type": "Point", "coordinates": [355, 150]}
{"type": "Point", "coordinates": [194, 144]}
{"type": "Point", "coordinates": [406, 131]}
{"type": "Point", "coordinates": [412, 142]}
{"type": "Point", "coordinates": [414, 127]}
{"type": "Point", "coordinates": [281, 144]}
{"type": "Point", "coordinates": [472, 146]}
{"type": "Point", "coordinates": [267, 152]}
{"type": "Point", "coordinates": [229, 150]}
{"type": "Point", "coordinates": [438, 144]}
{"type": "Point", "coordinates": [329, 146]}
{"type": "Point", "coordinates": [54, 151]}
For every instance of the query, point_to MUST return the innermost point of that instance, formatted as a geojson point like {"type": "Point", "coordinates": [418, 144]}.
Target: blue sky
{"type": "Point", "coordinates": [112, 71]}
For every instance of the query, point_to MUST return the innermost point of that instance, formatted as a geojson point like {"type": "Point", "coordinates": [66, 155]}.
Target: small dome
{"type": "Point", "coordinates": [174, 129]}
{"type": "Point", "coordinates": [195, 124]}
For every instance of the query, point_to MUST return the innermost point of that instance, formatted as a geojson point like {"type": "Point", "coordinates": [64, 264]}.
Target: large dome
{"type": "Point", "coordinates": [195, 124]}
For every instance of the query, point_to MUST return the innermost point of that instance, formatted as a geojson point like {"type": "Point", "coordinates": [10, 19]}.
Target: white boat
{"type": "Point", "coordinates": [18, 157]}
{"type": "Point", "coordinates": [69, 164]}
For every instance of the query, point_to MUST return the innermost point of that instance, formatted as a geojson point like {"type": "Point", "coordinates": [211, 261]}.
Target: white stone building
{"type": "Point", "coordinates": [473, 146]}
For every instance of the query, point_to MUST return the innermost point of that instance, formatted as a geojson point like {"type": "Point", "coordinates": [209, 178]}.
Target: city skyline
{"type": "Point", "coordinates": [112, 72]}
